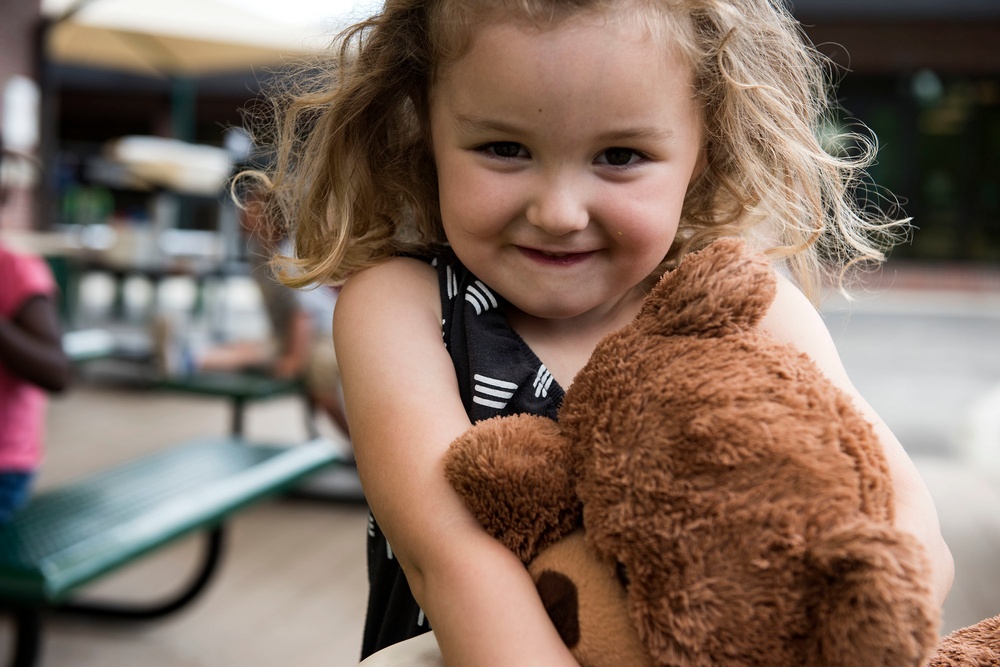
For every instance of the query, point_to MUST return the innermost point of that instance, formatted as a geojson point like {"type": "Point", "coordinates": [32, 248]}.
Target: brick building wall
{"type": "Point", "coordinates": [17, 59]}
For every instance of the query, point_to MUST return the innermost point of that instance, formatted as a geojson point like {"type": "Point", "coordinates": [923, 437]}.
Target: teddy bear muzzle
{"type": "Point", "coordinates": [585, 597]}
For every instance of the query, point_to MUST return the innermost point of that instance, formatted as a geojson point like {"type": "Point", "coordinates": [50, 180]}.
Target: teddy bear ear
{"type": "Point", "coordinates": [721, 289]}
{"type": "Point", "coordinates": [514, 475]}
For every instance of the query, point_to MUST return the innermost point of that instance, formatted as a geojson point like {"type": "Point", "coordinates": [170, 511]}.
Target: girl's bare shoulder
{"type": "Point", "coordinates": [402, 284]}
{"type": "Point", "coordinates": [794, 319]}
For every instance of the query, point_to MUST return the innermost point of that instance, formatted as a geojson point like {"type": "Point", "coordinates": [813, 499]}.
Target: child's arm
{"type": "Point", "coordinates": [404, 411]}
{"type": "Point", "coordinates": [298, 342]}
{"type": "Point", "coordinates": [31, 345]}
{"type": "Point", "coordinates": [793, 319]}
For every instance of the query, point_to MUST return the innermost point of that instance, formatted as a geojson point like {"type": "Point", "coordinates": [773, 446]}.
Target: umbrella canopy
{"type": "Point", "coordinates": [191, 37]}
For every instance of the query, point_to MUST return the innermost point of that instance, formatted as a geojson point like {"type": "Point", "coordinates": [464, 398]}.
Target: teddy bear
{"type": "Point", "coordinates": [709, 497]}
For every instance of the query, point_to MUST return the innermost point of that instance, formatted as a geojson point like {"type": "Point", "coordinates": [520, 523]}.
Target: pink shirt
{"type": "Point", "coordinates": [22, 404]}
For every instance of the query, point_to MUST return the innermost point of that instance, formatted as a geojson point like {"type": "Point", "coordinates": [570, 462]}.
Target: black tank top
{"type": "Point", "coordinates": [498, 374]}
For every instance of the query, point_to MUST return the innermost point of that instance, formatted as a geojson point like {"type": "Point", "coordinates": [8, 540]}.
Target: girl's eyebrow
{"type": "Point", "coordinates": [645, 133]}
{"type": "Point", "coordinates": [472, 125]}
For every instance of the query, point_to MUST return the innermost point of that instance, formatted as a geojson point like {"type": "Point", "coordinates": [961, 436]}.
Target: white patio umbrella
{"type": "Point", "coordinates": [183, 40]}
{"type": "Point", "coordinates": [191, 37]}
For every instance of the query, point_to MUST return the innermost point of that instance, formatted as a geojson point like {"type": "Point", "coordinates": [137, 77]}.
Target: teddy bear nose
{"type": "Point", "coordinates": [559, 595]}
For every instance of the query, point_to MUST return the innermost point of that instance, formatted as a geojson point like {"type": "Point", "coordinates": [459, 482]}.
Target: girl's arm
{"type": "Point", "coordinates": [31, 345]}
{"type": "Point", "coordinates": [794, 320]}
{"type": "Point", "coordinates": [404, 410]}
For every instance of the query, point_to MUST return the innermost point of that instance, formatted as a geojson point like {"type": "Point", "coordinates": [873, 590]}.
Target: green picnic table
{"type": "Point", "coordinates": [70, 536]}
{"type": "Point", "coordinates": [242, 388]}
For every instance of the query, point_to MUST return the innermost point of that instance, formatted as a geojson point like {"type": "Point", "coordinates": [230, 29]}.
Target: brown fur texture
{"type": "Point", "coordinates": [737, 508]}
{"type": "Point", "coordinates": [975, 646]}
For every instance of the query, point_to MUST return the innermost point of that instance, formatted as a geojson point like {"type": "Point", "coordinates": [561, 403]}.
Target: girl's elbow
{"type": "Point", "coordinates": [416, 580]}
{"type": "Point", "coordinates": [438, 571]}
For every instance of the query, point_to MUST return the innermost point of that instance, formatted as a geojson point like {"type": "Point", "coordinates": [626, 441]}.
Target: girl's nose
{"type": "Point", "coordinates": [558, 207]}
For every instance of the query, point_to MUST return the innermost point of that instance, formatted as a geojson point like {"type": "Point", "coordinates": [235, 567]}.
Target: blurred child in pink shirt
{"type": "Point", "coordinates": [32, 362]}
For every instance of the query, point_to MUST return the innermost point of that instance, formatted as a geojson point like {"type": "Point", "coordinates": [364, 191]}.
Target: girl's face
{"type": "Point", "coordinates": [563, 158]}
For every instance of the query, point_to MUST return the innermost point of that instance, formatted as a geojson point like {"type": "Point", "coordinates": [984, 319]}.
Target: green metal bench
{"type": "Point", "coordinates": [339, 484]}
{"type": "Point", "coordinates": [70, 536]}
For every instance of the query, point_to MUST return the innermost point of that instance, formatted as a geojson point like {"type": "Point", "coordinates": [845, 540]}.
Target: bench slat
{"type": "Point", "coordinates": [71, 535]}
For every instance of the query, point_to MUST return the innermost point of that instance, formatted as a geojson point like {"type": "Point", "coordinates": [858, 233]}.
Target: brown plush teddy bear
{"type": "Point", "coordinates": [708, 497]}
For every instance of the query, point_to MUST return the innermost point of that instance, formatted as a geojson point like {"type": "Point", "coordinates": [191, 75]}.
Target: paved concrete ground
{"type": "Point", "coordinates": [925, 360]}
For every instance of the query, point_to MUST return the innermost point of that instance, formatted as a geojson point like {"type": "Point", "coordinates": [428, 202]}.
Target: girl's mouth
{"type": "Point", "coordinates": [555, 258]}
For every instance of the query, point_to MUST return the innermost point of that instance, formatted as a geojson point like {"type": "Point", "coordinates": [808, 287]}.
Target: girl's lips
{"type": "Point", "coordinates": [555, 258]}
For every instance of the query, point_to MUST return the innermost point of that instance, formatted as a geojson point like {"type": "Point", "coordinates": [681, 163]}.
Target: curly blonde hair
{"type": "Point", "coordinates": [355, 180]}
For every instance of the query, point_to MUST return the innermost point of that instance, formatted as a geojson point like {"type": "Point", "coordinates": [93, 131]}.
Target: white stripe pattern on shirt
{"type": "Point", "coordinates": [543, 380]}
{"type": "Point", "coordinates": [492, 388]}
{"type": "Point", "coordinates": [480, 296]}
{"type": "Point", "coordinates": [451, 280]}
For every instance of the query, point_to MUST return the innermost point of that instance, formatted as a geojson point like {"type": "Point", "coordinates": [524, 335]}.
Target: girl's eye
{"type": "Point", "coordinates": [619, 157]}
{"type": "Point", "coordinates": [504, 149]}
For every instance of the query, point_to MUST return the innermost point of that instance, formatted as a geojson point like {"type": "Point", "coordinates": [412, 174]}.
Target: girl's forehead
{"type": "Point", "coordinates": [455, 25]}
{"type": "Point", "coordinates": [578, 83]}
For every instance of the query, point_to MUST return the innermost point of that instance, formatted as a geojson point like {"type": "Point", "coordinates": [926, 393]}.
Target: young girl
{"type": "Point", "coordinates": [512, 176]}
